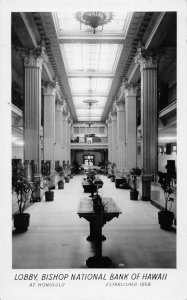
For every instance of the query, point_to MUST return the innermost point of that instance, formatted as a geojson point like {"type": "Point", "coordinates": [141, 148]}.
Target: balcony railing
{"type": "Point", "coordinates": [90, 140]}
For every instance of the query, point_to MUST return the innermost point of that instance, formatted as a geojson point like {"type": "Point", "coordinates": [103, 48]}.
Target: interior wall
{"type": "Point", "coordinates": [17, 153]}
{"type": "Point", "coordinates": [162, 161]}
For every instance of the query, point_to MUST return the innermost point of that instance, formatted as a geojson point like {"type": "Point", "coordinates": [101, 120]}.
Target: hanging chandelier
{"type": "Point", "coordinates": [90, 102]}
{"type": "Point", "coordinates": [94, 19]}
{"type": "Point", "coordinates": [89, 123]}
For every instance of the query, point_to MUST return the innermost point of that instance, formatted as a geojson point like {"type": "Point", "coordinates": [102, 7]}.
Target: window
{"type": "Point", "coordinates": [101, 130]}
{"type": "Point", "coordinates": [76, 130]}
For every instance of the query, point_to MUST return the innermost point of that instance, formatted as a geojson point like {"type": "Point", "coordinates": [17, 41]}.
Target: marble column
{"type": "Point", "coordinates": [109, 123]}
{"type": "Point", "coordinates": [114, 136]}
{"type": "Point", "coordinates": [49, 124]}
{"type": "Point", "coordinates": [148, 67]}
{"type": "Point", "coordinates": [121, 151]}
{"type": "Point", "coordinates": [131, 127]}
{"type": "Point", "coordinates": [64, 135]}
{"type": "Point", "coordinates": [58, 131]}
{"type": "Point", "coordinates": [68, 138]}
{"type": "Point", "coordinates": [32, 114]}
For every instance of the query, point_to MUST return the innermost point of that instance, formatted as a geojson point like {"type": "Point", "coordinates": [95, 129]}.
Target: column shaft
{"type": "Point", "coordinates": [121, 163]}
{"type": "Point", "coordinates": [49, 125]}
{"type": "Point", "coordinates": [32, 145]}
{"type": "Point", "coordinates": [131, 128]}
{"type": "Point", "coordinates": [58, 133]}
{"type": "Point", "coordinates": [114, 138]}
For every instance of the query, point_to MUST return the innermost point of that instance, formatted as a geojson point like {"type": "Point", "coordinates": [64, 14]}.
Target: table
{"type": "Point", "coordinates": [97, 221]}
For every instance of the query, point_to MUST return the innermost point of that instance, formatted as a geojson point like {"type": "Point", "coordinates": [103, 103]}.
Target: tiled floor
{"type": "Point", "coordinates": [56, 238]}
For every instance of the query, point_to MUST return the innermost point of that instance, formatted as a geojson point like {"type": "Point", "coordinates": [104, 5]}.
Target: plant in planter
{"type": "Point", "coordinates": [61, 181]}
{"type": "Point", "coordinates": [134, 172]}
{"type": "Point", "coordinates": [112, 177]}
{"type": "Point", "coordinates": [49, 195]}
{"type": "Point", "coordinates": [24, 190]}
{"type": "Point", "coordinates": [165, 216]}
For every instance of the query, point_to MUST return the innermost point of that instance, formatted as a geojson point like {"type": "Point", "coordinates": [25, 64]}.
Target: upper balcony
{"type": "Point", "coordinates": [89, 143]}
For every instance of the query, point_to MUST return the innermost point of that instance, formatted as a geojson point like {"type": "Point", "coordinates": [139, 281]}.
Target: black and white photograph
{"type": "Point", "coordinates": [94, 163]}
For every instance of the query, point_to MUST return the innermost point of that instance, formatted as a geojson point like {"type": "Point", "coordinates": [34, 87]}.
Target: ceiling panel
{"type": "Point", "coordinates": [89, 112]}
{"type": "Point", "coordinates": [90, 85]}
{"type": "Point", "coordinates": [84, 119]}
{"type": "Point", "coordinates": [94, 58]}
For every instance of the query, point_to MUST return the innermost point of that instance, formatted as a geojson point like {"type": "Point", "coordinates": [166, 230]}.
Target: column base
{"type": "Point", "coordinates": [99, 262]}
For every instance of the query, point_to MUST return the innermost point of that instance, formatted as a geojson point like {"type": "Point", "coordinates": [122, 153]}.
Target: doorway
{"type": "Point", "coordinates": [89, 160]}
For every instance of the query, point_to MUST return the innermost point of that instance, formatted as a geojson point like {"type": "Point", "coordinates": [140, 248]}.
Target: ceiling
{"type": "Point", "coordinates": [90, 67]}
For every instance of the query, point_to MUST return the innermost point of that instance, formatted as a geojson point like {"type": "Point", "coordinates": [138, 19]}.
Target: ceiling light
{"type": "Point", "coordinates": [94, 19]}
{"type": "Point", "coordinates": [90, 102]}
{"type": "Point", "coordinates": [89, 123]}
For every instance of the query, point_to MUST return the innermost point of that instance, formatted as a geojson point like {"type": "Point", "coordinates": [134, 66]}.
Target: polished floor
{"type": "Point", "coordinates": [56, 238]}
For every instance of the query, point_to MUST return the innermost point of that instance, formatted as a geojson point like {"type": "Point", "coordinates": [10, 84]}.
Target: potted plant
{"type": "Point", "coordinates": [49, 195]}
{"type": "Point", "coordinates": [165, 216]}
{"type": "Point", "coordinates": [24, 190]}
{"type": "Point", "coordinates": [112, 177]}
{"type": "Point", "coordinates": [61, 181]}
{"type": "Point", "coordinates": [134, 172]}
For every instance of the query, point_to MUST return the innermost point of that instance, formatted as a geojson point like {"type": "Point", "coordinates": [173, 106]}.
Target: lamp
{"type": "Point", "coordinates": [89, 123]}
{"type": "Point", "coordinates": [94, 19]}
{"type": "Point", "coordinates": [90, 101]}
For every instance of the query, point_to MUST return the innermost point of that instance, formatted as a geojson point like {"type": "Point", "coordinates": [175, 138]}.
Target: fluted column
{"type": "Point", "coordinates": [58, 131]}
{"type": "Point", "coordinates": [64, 135]}
{"type": "Point", "coordinates": [32, 115]}
{"type": "Point", "coordinates": [121, 134]}
{"type": "Point", "coordinates": [49, 123]}
{"type": "Point", "coordinates": [109, 123]}
{"type": "Point", "coordinates": [148, 68]}
{"type": "Point", "coordinates": [68, 138]}
{"type": "Point", "coordinates": [114, 135]}
{"type": "Point", "coordinates": [131, 138]}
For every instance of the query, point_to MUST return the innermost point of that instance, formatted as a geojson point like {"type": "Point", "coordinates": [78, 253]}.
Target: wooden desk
{"type": "Point", "coordinates": [97, 221]}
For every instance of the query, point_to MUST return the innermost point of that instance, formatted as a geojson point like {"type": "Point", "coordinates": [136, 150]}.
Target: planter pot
{"type": "Point", "coordinates": [112, 178]}
{"type": "Point", "coordinates": [134, 195]}
{"type": "Point", "coordinates": [165, 219]}
{"type": "Point", "coordinates": [21, 222]}
{"type": "Point", "coordinates": [49, 196]}
{"type": "Point", "coordinates": [52, 187]}
{"type": "Point", "coordinates": [61, 185]}
{"type": "Point", "coordinates": [67, 179]}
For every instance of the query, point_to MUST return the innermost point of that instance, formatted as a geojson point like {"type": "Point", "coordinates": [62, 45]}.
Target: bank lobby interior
{"type": "Point", "coordinates": [88, 96]}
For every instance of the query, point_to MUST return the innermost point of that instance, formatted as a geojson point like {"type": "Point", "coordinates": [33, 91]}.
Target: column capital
{"type": "Point", "coordinates": [114, 108]}
{"type": "Point", "coordinates": [120, 103]}
{"type": "Point", "coordinates": [147, 59]}
{"type": "Point", "coordinates": [50, 88]}
{"type": "Point", "coordinates": [59, 104]}
{"type": "Point", "coordinates": [130, 89]}
{"type": "Point", "coordinates": [65, 109]}
{"type": "Point", "coordinates": [68, 118]}
{"type": "Point", "coordinates": [33, 58]}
